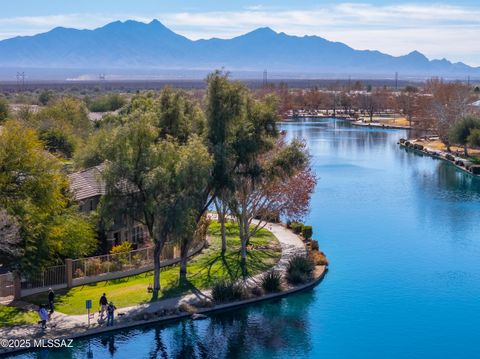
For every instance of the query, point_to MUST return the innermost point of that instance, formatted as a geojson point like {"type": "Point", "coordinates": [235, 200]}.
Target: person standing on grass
{"type": "Point", "coordinates": [43, 314]}
{"type": "Point", "coordinates": [51, 298]}
{"type": "Point", "coordinates": [110, 312]}
{"type": "Point", "coordinates": [103, 305]}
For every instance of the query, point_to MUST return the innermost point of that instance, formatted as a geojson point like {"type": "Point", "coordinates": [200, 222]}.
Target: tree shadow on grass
{"type": "Point", "coordinates": [183, 286]}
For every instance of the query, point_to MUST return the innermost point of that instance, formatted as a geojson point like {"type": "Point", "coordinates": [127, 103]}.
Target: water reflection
{"type": "Point", "coordinates": [338, 135]}
{"type": "Point", "coordinates": [261, 331]}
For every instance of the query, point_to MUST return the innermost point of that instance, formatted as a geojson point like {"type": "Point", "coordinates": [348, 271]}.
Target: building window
{"type": "Point", "coordinates": [137, 234]}
{"type": "Point", "coordinates": [116, 238]}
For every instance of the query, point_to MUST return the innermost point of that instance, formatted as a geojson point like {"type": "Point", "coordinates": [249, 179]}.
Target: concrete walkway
{"type": "Point", "coordinates": [62, 324]}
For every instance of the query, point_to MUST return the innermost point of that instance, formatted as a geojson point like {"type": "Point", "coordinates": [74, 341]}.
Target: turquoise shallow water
{"type": "Point", "coordinates": [402, 235]}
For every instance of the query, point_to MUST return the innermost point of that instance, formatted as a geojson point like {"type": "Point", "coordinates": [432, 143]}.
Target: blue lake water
{"type": "Point", "coordinates": [402, 233]}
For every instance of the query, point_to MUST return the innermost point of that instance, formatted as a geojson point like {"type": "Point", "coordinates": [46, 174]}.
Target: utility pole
{"type": "Point", "coordinates": [396, 81]}
{"type": "Point", "coordinates": [101, 78]}
{"type": "Point", "coordinates": [265, 78]}
{"type": "Point", "coordinates": [21, 80]}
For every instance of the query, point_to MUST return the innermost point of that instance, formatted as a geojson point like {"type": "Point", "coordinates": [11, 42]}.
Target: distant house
{"type": "Point", "coordinates": [88, 187]}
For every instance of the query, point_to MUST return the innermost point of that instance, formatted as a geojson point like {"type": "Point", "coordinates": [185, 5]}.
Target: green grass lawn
{"type": "Point", "coordinates": [15, 316]}
{"type": "Point", "coordinates": [203, 270]}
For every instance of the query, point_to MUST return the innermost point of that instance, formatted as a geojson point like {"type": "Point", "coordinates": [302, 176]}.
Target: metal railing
{"type": "Point", "coordinates": [93, 269]}
{"type": "Point", "coordinates": [119, 262]}
{"type": "Point", "coordinates": [50, 277]}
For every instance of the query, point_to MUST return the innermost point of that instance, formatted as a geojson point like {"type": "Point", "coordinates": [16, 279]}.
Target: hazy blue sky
{"type": "Point", "coordinates": [439, 29]}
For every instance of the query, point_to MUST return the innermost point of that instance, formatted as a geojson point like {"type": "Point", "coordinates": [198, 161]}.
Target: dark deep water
{"type": "Point", "coordinates": [402, 235]}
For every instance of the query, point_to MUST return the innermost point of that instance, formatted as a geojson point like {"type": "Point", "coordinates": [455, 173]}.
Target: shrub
{"type": "Point", "coordinates": [449, 157]}
{"type": "Point", "coordinates": [57, 140]}
{"type": "Point", "coordinates": [297, 227]}
{"type": "Point", "coordinates": [314, 245]}
{"type": "Point", "coordinates": [418, 146]}
{"type": "Point", "coordinates": [318, 258]}
{"type": "Point", "coordinates": [137, 260]}
{"type": "Point", "coordinates": [78, 273]}
{"type": "Point", "coordinates": [106, 266]}
{"type": "Point", "coordinates": [475, 169]}
{"type": "Point", "coordinates": [225, 291]}
{"type": "Point", "coordinates": [297, 277]}
{"type": "Point", "coordinates": [307, 232]}
{"type": "Point", "coordinates": [257, 291]}
{"type": "Point", "coordinates": [299, 269]}
{"type": "Point", "coordinates": [272, 281]}
{"type": "Point", "coordinates": [94, 266]}
{"type": "Point", "coordinates": [121, 248]}
{"type": "Point", "coordinates": [402, 140]}
{"type": "Point", "coordinates": [106, 103]}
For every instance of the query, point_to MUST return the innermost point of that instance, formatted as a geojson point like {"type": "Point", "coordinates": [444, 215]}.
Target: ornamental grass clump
{"type": "Point", "coordinates": [226, 291]}
{"type": "Point", "coordinates": [272, 282]}
{"type": "Point", "coordinates": [299, 269]}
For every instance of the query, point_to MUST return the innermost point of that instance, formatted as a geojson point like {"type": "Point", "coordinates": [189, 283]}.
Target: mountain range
{"type": "Point", "coordinates": [137, 45]}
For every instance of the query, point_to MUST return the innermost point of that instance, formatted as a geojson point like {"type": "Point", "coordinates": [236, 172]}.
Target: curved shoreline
{"type": "Point", "coordinates": [321, 271]}
{"type": "Point", "coordinates": [380, 125]}
{"type": "Point", "coordinates": [290, 242]}
{"type": "Point", "coordinates": [440, 155]}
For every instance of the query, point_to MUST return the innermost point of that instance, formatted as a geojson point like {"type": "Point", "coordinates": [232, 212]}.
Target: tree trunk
{"type": "Point", "coordinates": [223, 233]}
{"type": "Point", "coordinates": [221, 219]}
{"type": "Point", "coordinates": [156, 266]}
{"type": "Point", "coordinates": [465, 150]}
{"type": "Point", "coordinates": [183, 260]}
{"type": "Point", "coordinates": [244, 236]}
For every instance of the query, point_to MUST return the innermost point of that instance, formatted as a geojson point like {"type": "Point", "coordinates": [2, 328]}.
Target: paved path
{"type": "Point", "coordinates": [62, 324]}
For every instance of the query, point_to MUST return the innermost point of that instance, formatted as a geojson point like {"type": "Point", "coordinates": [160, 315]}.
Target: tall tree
{"type": "Point", "coordinates": [226, 110]}
{"type": "Point", "coordinates": [461, 131]}
{"type": "Point", "coordinates": [281, 186]}
{"type": "Point", "coordinates": [34, 191]}
{"type": "Point", "coordinates": [449, 104]}
{"type": "Point", "coordinates": [158, 170]}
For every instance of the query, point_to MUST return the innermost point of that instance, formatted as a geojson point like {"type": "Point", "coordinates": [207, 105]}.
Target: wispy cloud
{"type": "Point", "coordinates": [437, 30]}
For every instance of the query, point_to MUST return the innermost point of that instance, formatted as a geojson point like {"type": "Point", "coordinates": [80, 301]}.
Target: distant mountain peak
{"type": "Point", "coordinates": [158, 24]}
{"type": "Point", "coordinates": [418, 55]}
{"type": "Point", "coordinates": [262, 31]}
